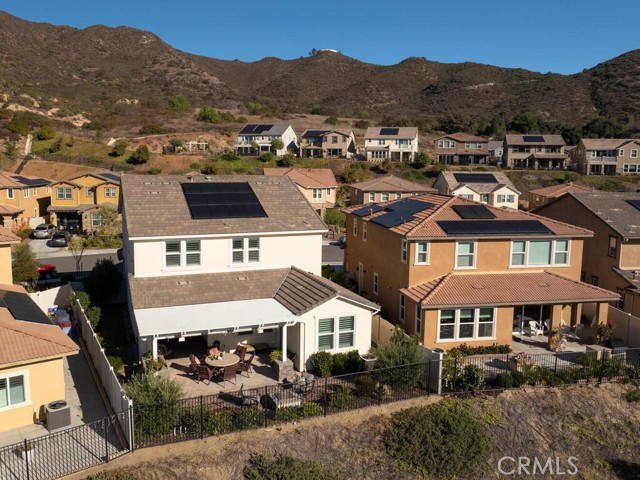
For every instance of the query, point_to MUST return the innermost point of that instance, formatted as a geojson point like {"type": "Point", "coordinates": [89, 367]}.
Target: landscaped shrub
{"type": "Point", "coordinates": [267, 157]}
{"type": "Point", "coordinates": [446, 439]}
{"type": "Point", "coordinates": [322, 363]}
{"type": "Point", "coordinates": [354, 362]}
{"type": "Point", "coordinates": [155, 399]}
{"type": "Point", "coordinates": [262, 467]}
{"type": "Point", "coordinates": [342, 398]}
{"type": "Point", "coordinates": [217, 423]}
{"type": "Point", "coordinates": [312, 409]}
{"type": "Point", "coordinates": [339, 361]}
{"type": "Point", "coordinates": [612, 367]}
{"type": "Point", "coordinates": [365, 385]}
{"type": "Point", "coordinates": [116, 362]}
{"type": "Point", "coordinates": [248, 418]}
{"type": "Point", "coordinates": [112, 476]}
{"type": "Point", "coordinates": [401, 350]}
{"type": "Point", "coordinates": [82, 297]}
{"type": "Point", "coordinates": [229, 157]}
{"type": "Point", "coordinates": [286, 414]}
{"type": "Point", "coordinates": [24, 233]}
{"type": "Point", "coordinates": [504, 380]}
{"type": "Point", "coordinates": [276, 354]}
{"type": "Point", "coordinates": [104, 281]}
{"type": "Point", "coordinates": [633, 395]}
{"type": "Point", "coordinates": [466, 350]}
{"type": "Point", "coordinates": [93, 315]}
{"type": "Point", "coordinates": [472, 378]}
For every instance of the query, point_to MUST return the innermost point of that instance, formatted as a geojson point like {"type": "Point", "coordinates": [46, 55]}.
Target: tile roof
{"type": "Point", "coordinates": [7, 238]}
{"type": "Point", "coordinates": [390, 183]}
{"type": "Point", "coordinates": [306, 177]}
{"type": "Point", "coordinates": [497, 289]}
{"type": "Point", "coordinates": [546, 139]}
{"type": "Point", "coordinates": [403, 132]}
{"type": "Point", "coordinates": [614, 209]}
{"type": "Point", "coordinates": [9, 209]}
{"type": "Point", "coordinates": [296, 290]}
{"type": "Point", "coordinates": [631, 276]}
{"type": "Point", "coordinates": [155, 206]}
{"type": "Point", "coordinates": [24, 341]}
{"type": "Point", "coordinates": [464, 137]}
{"type": "Point", "coordinates": [8, 179]}
{"type": "Point", "coordinates": [495, 144]}
{"type": "Point", "coordinates": [500, 179]}
{"type": "Point", "coordinates": [557, 190]}
{"type": "Point", "coordinates": [440, 207]}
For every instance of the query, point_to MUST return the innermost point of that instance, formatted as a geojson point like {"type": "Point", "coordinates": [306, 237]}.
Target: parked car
{"type": "Point", "coordinates": [47, 271]}
{"type": "Point", "coordinates": [60, 239]}
{"type": "Point", "coordinates": [341, 242]}
{"type": "Point", "coordinates": [72, 226]}
{"type": "Point", "coordinates": [44, 230]}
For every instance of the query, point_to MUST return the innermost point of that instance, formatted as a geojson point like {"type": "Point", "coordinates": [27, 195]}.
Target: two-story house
{"type": "Point", "coordinates": [23, 200]}
{"type": "Point", "coordinates": [454, 271]}
{"type": "Point", "coordinates": [233, 258]}
{"type": "Point", "coordinates": [7, 239]}
{"type": "Point", "coordinates": [535, 152]}
{"type": "Point", "coordinates": [611, 257]}
{"type": "Point", "coordinates": [257, 139]}
{"type": "Point", "coordinates": [461, 149]}
{"type": "Point", "coordinates": [398, 144]}
{"type": "Point", "coordinates": [495, 149]}
{"type": "Point", "coordinates": [492, 188]}
{"type": "Point", "coordinates": [79, 199]}
{"type": "Point", "coordinates": [318, 185]}
{"type": "Point", "coordinates": [327, 144]}
{"type": "Point", "coordinates": [540, 196]}
{"type": "Point", "coordinates": [608, 156]}
{"type": "Point", "coordinates": [383, 189]}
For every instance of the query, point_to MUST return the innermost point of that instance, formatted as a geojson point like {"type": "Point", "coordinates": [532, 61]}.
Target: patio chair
{"type": "Point", "coordinates": [536, 328]}
{"type": "Point", "coordinates": [227, 374]}
{"type": "Point", "coordinates": [241, 351]}
{"type": "Point", "coordinates": [246, 365]}
{"type": "Point", "coordinates": [204, 372]}
{"type": "Point", "coordinates": [249, 398]}
{"type": "Point", "coordinates": [164, 350]}
{"type": "Point", "coordinates": [195, 363]}
{"type": "Point", "coordinates": [305, 384]}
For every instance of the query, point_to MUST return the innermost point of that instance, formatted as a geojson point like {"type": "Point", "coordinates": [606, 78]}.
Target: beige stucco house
{"type": "Point", "coordinates": [382, 189]}
{"type": "Point", "coordinates": [327, 144]}
{"type": "Point", "coordinates": [256, 139]}
{"type": "Point", "coordinates": [608, 156]}
{"type": "Point", "coordinates": [540, 196]}
{"type": "Point", "coordinates": [399, 144]}
{"type": "Point", "coordinates": [318, 185]}
{"type": "Point", "coordinates": [535, 152]}
{"type": "Point", "coordinates": [23, 200]}
{"type": "Point", "coordinates": [492, 188]}
{"type": "Point", "coordinates": [461, 149]}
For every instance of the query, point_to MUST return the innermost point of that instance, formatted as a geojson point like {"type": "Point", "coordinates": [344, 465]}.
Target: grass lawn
{"type": "Point", "coordinates": [79, 147]}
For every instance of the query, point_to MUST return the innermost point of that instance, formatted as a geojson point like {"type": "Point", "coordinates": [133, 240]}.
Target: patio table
{"type": "Point", "coordinates": [227, 360]}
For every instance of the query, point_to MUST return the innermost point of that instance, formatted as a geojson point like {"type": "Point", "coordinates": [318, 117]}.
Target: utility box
{"type": "Point", "coordinates": [58, 415]}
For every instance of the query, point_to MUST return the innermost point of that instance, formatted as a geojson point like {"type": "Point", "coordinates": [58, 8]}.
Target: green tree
{"type": "Point", "coordinates": [140, 155]}
{"type": "Point", "coordinates": [151, 129]}
{"type": "Point", "coordinates": [287, 160]}
{"type": "Point", "coordinates": [276, 144]}
{"type": "Point", "coordinates": [332, 120]}
{"type": "Point", "coordinates": [175, 142]}
{"type": "Point", "coordinates": [602, 128]}
{"type": "Point", "coordinates": [56, 146]}
{"type": "Point", "coordinates": [18, 126]}
{"type": "Point", "coordinates": [23, 263]}
{"type": "Point", "coordinates": [110, 223]}
{"type": "Point", "coordinates": [401, 350]}
{"type": "Point", "coordinates": [104, 281]}
{"type": "Point", "coordinates": [209, 114]}
{"type": "Point", "coordinates": [11, 150]}
{"type": "Point", "coordinates": [119, 148]}
{"type": "Point", "coordinates": [364, 124]}
{"type": "Point", "coordinates": [178, 103]}
{"type": "Point", "coordinates": [47, 132]}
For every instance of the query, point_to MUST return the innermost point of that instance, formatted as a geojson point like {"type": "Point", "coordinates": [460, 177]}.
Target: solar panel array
{"type": "Point", "coordinates": [315, 133]}
{"type": "Point", "coordinates": [494, 227]}
{"type": "Point", "coordinates": [368, 210]}
{"type": "Point", "coordinates": [389, 131]}
{"type": "Point", "coordinates": [400, 212]}
{"type": "Point", "coordinates": [22, 307]}
{"type": "Point", "coordinates": [222, 200]}
{"type": "Point", "coordinates": [634, 203]}
{"type": "Point", "coordinates": [256, 129]}
{"type": "Point", "coordinates": [30, 181]}
{"type": "Point", "coordinates": [473, 211]}
{"type": "Point", "coordinates": [533, 138]}
{"type": "Point", "coordinates": [474, 177]}
{"type": "Point", "coordinates": [111, 176]}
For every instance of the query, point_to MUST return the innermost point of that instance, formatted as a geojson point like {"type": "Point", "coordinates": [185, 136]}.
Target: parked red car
{"type": "Point", "coordinates": [47, 271]}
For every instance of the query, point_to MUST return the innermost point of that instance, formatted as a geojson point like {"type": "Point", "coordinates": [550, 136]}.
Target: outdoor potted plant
{"type": "Point", "coordinates": [369, 360]}
{"type": "Point", "coordinates": [152, 365]}
{"type": "Point", "coordinates": [557, 340]}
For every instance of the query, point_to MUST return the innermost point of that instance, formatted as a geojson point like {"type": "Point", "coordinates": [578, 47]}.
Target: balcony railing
{"type": "Point", "coordinates": [603, 159]}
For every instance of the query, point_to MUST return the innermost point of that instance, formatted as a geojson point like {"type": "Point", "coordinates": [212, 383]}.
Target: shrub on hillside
{"type": "Point", "coordinates": [267, 157]}
{"type": "Point", "coordinates": [151, 129]}
{"type": "Point", "coordinates": [141, 155]}
{"type": "Point", "coordinates": [262, 467]}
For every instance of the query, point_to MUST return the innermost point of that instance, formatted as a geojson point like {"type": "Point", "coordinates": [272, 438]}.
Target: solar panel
{"type": "Point", "coordinates": [111, 176]}
{"type": "Point", "coordinates": [533, 138]}
{"type": "Point", "coordinates": [30, 181]}
{"type": "Point", "coordinates": [408, 206]}
{"type": "Point", "coordinates": [473, 211]}
{"type": "Point", "coordinates": [368, 210]}
{"type": "Point", "coordinates": [389, 131]}
{"type": "Point", "coordinates": [392, 219]}
{"type": "Point", "coordinates": [475, 177]}
{"type": "Point", "coordinates": [22, 307]}
{"type": "Point", "coordinates": [315, 133]}
{"type": "Point", "coordinates": [494, 227]}
{"type": "Point", "coordinates": [253, 128]}
{"type": "Point", "coordinates": [222, 200]}
{"type": "Point", "coordinates": [634, 203]}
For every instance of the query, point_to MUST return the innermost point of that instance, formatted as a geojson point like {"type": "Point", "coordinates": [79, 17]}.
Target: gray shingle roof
{"type": "Point", "coordinates": [501, 179]}
{"type": "Point", "coordinates": [614, 209]}
{"type": "Point", "coordinates": [155, 206]}
{"type": "Point", "coordinates": [546, 139]}
{"type": "Point", "coordinates": [391, 183]}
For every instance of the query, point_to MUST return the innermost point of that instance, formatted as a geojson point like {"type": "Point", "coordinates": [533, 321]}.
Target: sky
{"type": "Point", "coordinates": [560, 36]}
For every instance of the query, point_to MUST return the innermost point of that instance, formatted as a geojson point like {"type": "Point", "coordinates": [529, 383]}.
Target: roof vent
{"type": "Point", "coordinates": [543, 284]}
{"type": "Point", "coordinates": [154, 192]}
{"type": "Point", "coordinates": [183, 282]}
{"type": "Point", "coordinates": [242, 279]}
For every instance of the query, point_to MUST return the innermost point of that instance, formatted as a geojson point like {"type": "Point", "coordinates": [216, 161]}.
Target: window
{"type": "Point", "coordinates": [35, 191]}
{"type": "Point", "coordinates": [334, 139]}
{"type": "Point", "coordinates": [9, 193]}
{"type": "Point", "coordinates": [375, 283]}
{"type": "Point", "coordinates": [110, 192]}
{"type": "Point", "coordinates": [317, 193]}
{"type": "Point", "coordinates": [466, 323]}
{"type": "Point", "coordinates": [180, 253]}
{"type": "Point", "coordinates": [465, 254]}
{"type": "Point", "coordinates": [327, 333]}
{"type": "Point", "coordinates": [634, 153]}
{"type": "Point", "coordinates": [89, 192]}
{"type": "Point", "coordinates": [328, 192]}
{"type": "Point", "coordinates": [64, 193]}
{"type": "Point", "coordinates": [401, 310]}
{"type": "Point", "coordinates": [384, 196]}
{"type": "Point", "coordinates": [95, 220]}
{"type": "Point", "coordinates": [418, 319]}
{"type": "Point", "coordinates": [613, 246]}
{"type": "Point", "coordinates": [48, 191]}
{"type": "Point", "coordinates": [539, 253]}
{"type": "Point", "coordinates": [364, 231]}
{"type": "Point", "coordinates": [422, 253]}
{"type": "Point", "coordinates": [620, 303]}
{"type": "Point", "coordinates": [621, 152]}
{"type": "Point", "coordinates": [355, 227]}
{"type": "Point", "coordinates": [467, 196]}
{"type": "Point", "coordinates": [403, 250]}
{"type": "Point", "coordinates": [35, 212]}
{"type": "Point", "coordinates": [25, 192]}
{"type": "Point", "coordinates": [245, 250]}
{"type": "Point", "coordinates": [13, 391]}
{"type": "Point", "coordinates": [484, 198]}
{"type": "Point", "coordinates": [398, 195]}
{"type": "Point", "coordinates": [372, 196]}
{"type": "Point", "coordinates": [381, 141]}
{"type": "Point", "coordinates": [594, 280]}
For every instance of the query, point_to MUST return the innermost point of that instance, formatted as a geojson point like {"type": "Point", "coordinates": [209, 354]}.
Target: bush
{"type": "Point", "coordinates": [178, 103]}
{"type": "Point", "coordinates": [341, 399]}
{"type": "Point", "coordinates": [465, 350]}
{"type": "Point", "coordinates": [248, 418]}
{"type": "Point", "coordinates": [276, 354]}
{"type": "Point", "coordinates": [332, 120]}
{"type": "Point", "coordinates": [151, 129]}
{"type": "Point", "coordinates": [116, 362]}
{"type": "Point", "coordinates": [504, 380]}
{"type": "Point", "coordinates": [354, 362]}
{"type": "Point", "coordinates": [45, 133]}
{"type": "Point", "coordinates": [24, 267]}
{"type": "Point", "coordinates": [335, 216]}
{"type": "Point", "coordinates": [339, 361]}
{"type": "Point", "coordinates": [365, 385]}
{"type": "Point", "coordinates": [82, 297]}
{"type": "Point", "coordinates": [267, 157]}
{"type": "Point", "coordinates": [229, 157]}
{"type": "Point", "coordinates": [104, 281]}
{"type": "Point", "coordinates": [286, 414]}
{"type": "Point", "coordinates": [401, 350]}
{"type": "Point", "coordinates": [209, 115]}
{"type": "Point", "coordinates": [322, 363]}
{"type": "Point", "coordinates": [154, 171]}
{"type": "Point", "coordinates": [25, 233]}
{"type": "Point", "coordinates": [447, 439]}
{"type": "Point", "coordinates": [283, 467]}
{"type": "Point", "coordinates": [93, 315]}
{"type": "Point", "coordinates": [364, 124]}
{"type": "Point", "coordinates": [287, 160]}
{"type": "Point", "coordinates": [119, 148]}
{"type": "Point", "coordinates": [217, 423]}
{"type": "Point", "coordinates": [472, 378]}
{"type": "Point", "coordinates": [141, 155]}
{"type": "Point", "coordinates": [633, 396]}
{"type": "Point", "coordinates": [156, 400]}
{"type": "Point", "coordinates": [312, 409]}
{"type": "Point", "coordinates": [209, 169]}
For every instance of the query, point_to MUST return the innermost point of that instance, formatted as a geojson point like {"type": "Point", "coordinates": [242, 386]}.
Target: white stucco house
{"type": "Point", "coordinates": [493, 188]}
{"type": "Point", "coordinates": [256, 139]}
{"type": "Point", "coordinates": [233, 258]}
{"type": "Point", "coordinates": [398, 144]}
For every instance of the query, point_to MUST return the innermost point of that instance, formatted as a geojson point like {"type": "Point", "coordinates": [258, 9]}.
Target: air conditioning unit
{"type": "Point", "coordinates": [58, 415]}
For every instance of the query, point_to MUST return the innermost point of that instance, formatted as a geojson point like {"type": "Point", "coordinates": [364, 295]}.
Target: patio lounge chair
{"type": "Point", "coordinates": [249, 398]}
{"type": "Point", "coordinates": [246, 365]}
{"type": "Point", "coordinates": [536, 328]}
{"type": "Point", "coordinates": [227, 373]}
{"type": "Point", "coordinates": [204, 372]}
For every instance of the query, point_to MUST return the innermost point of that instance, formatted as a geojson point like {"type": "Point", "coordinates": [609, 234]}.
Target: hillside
{"type": "Point", "coordinates": [123, 71]}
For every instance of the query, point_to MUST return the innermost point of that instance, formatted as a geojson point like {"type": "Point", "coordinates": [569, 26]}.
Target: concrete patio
{"type": "Point", "coordinates": [536, 344]}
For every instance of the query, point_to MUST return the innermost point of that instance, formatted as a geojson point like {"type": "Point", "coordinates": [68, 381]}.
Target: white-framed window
{"type": "Point", "coordinates": [48, 190]}
{"type": "Point", "coordinates": [336, 333]}
{"type": "Point", "coordinates": [634, 153]}
{"type": "Point", "coordinates": [64, 193]}
{"type": "Point", "coordinates": [372, 196]}
{"type": "Point", "coordinates": [25, 192]}
{"type": "Point", "coordinates": [506, 198]}
{"type": "Point", "coordinates": [334, 139]}
{"type": "Point", "coordinates": [418, 319]}
{"type": "Point", "coordinates": [422, 253]}
{"type": "Point", "coordinates": [401, 309]}
{"type": "Point", "coordinates": [328, 192]}
{"type": "Point", "coordinates": [381, 141]}
{"type": "Point", "coordinates": [467, 196]}
{"type": "Point", "coordinates": [35, 191]}
{"type": "Point", "coordinates": [375, 283]}
{"type": "Point", "coordinates": [613, 246]}
{"type": "Point", "coordinates": [398, 195]}
{"type": "Point", "coordinates": [384, 196]}
{"type": "Point", "coordinates": [14, 390]}
{"type": "Point", "coordinates": [110, 192]}
{"type": "Point", "coordinates": [364, 231]}
{"type": "Point", "coordinates": [539, 253]}
{"type": "Point", "coordinates": [89, 192]}
{"type": "Point", "coordinates": [316, 194]}
{"type": "Point", "coordinates": [484, 198]}
{"type": "Point", "coordinates": [403, 251]}
{"type": "Point", "coordinates": [466, 254]}
{"type": "Point", "coordinates": [9, 193]}
{"type": "Point", "coordinates": [181, 253]}
{"type": "Point", "coordinates": [245, 250]}
{"type": "Point", "coordinates": [631, 168]}
{"type": "Point", "coordinates": [466, 323]}
{"type": "Point", "coordinates": [355, 227]}
{"type": "Point", "coordinates": [621, 152]}
{"type": "Point", "coordinates": [96, 221]}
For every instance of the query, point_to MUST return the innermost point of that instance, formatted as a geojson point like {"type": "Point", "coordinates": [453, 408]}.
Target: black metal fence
{"type": "Point", "coordinates": [203, 416]}
{"type": "Point", "coordinates": [62, 453]}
